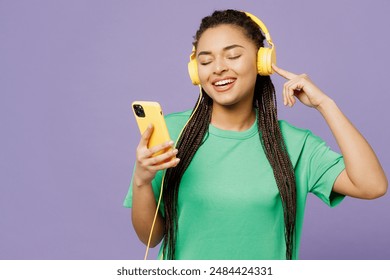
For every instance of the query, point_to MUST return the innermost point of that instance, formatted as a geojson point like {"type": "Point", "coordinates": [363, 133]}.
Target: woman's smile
{"type": "Point", "coordinates": [223, 84]}
{"type": "Point", "coordinates": [227, 64]}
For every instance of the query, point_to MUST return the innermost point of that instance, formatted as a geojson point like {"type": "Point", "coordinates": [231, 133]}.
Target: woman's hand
{"type": "Point", "coordinates": [147, 165]}
{"type": "Point", "coordinates": [363, 176]}
{"type": "Point", "coordinates": [302, 87]}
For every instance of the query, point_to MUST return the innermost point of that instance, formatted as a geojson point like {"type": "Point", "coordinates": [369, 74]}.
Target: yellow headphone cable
{"type": "Point", "coordinates": [162, 181]}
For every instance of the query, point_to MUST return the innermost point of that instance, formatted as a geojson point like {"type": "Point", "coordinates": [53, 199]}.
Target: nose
{"type": "Point", "coordinates": [220, 66]}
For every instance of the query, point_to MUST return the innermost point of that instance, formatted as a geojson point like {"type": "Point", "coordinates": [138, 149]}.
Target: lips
{"type": "Point", "coordinates": [223, 84]}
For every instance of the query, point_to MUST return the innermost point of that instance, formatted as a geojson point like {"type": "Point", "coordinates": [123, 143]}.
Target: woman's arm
{"type": "Point", "coordinates": [144, 202]}
{"type": "Point", "coordinates": [363, 176]}
{"type": "Point", "coordinates": [142, 215]}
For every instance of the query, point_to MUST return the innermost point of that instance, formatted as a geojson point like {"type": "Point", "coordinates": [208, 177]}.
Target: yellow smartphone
{"type": "Point", "coordinates": [148, 112]}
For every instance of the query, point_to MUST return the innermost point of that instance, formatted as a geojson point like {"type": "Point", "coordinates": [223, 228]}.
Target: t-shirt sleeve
{"type": "Point", "coordinates": [156, 185]}
{"type": "Point", "coordinates": [323, 168]}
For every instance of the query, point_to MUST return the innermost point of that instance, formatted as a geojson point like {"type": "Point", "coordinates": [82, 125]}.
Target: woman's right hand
{"type": "Point", "coordinates": [148, 165]}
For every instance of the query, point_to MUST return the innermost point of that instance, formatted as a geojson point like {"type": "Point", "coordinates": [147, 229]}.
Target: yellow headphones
{"type": "Point", "coordinates": [265, 56]}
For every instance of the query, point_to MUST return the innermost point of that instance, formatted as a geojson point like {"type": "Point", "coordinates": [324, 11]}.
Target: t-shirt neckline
{"type": "Point", "coordinates": [245, 134]}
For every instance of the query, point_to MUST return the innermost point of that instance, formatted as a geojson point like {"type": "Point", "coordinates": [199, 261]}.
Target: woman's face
{"type": "Point", "coordinates": [227, 65]}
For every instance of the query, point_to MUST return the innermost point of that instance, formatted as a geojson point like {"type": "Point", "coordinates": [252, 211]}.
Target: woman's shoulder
{"type": "Point", "coordinates": [176, 121]}
{"type": "Point", "coordinates": [296, 137]}
{"type": "Point", "coordinates": [177, 116]}
{"type": "Point", "coordinates": [289, 130]}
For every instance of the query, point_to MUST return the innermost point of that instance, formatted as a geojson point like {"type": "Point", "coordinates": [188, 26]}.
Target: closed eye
{"type": "Point", "coordinates": [234, 57]}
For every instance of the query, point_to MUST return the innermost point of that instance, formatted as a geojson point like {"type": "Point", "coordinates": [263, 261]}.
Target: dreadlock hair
{"type": "Point", "coordinates": [269, 134]}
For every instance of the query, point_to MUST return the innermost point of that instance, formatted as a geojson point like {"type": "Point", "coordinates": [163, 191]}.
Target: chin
{"type": "Point", "coordinates": [225, 102]}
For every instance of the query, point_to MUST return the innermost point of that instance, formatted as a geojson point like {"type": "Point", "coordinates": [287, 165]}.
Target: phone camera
{"type": "Point", "coordinates": [139, 110]}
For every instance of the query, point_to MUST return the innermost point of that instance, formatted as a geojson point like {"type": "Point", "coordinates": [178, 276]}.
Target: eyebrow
{"type": "Point", "coordinates": [224, 49]}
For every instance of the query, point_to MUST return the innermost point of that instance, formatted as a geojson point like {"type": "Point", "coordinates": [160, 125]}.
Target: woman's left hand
{"type": "Point", "coordinates": [302, 87]}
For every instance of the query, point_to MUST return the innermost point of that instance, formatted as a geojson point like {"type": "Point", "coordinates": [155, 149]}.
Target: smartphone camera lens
{"type": "Point", "coordinates": [139, 111]}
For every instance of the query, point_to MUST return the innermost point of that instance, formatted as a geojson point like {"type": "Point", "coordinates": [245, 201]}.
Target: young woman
{"type": "Point", "coordinates": [238, 184]}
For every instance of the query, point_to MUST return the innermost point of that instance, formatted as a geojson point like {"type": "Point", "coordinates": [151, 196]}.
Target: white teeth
{"type": "Point", "coordinates": [224, 82]}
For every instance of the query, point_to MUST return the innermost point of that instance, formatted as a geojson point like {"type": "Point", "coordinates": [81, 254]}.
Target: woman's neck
{"type": "Point", "coordinates": [233, 118]}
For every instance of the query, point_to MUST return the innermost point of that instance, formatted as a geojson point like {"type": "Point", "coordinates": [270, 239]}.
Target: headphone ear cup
{"type": "Point", "coordinates": [265, 58]}
{"type": "Point", "coordinates": [193, 72]}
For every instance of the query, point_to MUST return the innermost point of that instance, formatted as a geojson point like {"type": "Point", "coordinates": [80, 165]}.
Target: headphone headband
{"type": "Point", "coordinates": [262, 27]}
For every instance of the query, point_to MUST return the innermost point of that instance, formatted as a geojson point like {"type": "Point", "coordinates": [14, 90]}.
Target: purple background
{"type": "Point", "coordinates": [70, 69]}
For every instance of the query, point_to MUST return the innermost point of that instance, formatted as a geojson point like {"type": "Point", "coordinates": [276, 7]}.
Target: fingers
{"type": "Point", "coordinates": [159, 148]}
{"type": "Point", "coordinates": [161, 158]}
{"type": "Point", "coordinates": [144, 152]}
{"type": "Point", "coordinates": [285, 74]}
{"type": "Point", "coordinates": [288, 94]}
{"type": "Point", "coordinates": [288, 91]}
{"type": "Point", "coordinates": [157, 157]}
{"type": "Point", "coordinates": [160, 162]}
{"type": "Point", "coordinates": [165, 165]}
{"type": "Point", "coordinates": [291, 89]}
{"type": "Point", "coordinates": [288, 98]}
{"type": "Point", "coordinates": [146, 135]}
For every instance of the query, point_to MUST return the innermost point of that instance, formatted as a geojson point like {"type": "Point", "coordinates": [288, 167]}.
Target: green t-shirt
{"type": "Point", "coordinates": [229, 205]}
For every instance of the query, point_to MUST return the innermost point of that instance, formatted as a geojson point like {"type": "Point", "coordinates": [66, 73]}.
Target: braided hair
{"type": "Point", "coordinates": [270, 137]}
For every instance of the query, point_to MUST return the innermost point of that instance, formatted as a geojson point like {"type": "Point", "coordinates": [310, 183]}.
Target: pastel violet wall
{"type": "Point", "coordinates": [69, 71]}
